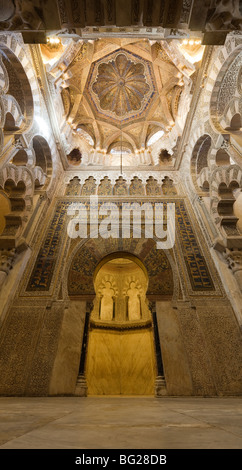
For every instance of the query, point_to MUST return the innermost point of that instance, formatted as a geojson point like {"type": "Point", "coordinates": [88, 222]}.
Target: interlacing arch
{"type": "Point", "coordinates": [21, 156]}
{"type": "Point", "coordinates": [4, 81]}
{"type": "Point", "coordinates": [221, 93]}
{"type": "Point", "coordinates": [222, 157]}
{"type": "Point", "coordinates": [17, 185]}
{"type": "Point", "coordinates": [203, 180]}
{"type": "Point", "coordinates": [224, 181]}
{"type": "Point", "coordinates": [43, 158]}
{"type": "Point", "coordinates": [200, 161]}
{"type": "Point", "coordinates": [19, 97]}
{"type": "Point", "coordinates": [138, 285]}
{"type": "Point", "coordinates": [13, 115]}
{"type": "Point", "coordinates": [227, 121]}
{"type": "Point", "coordinates": [207, 156]}
{"type": "Point", "coordinates": [42, 155]}
{"type": "Point", "coordinates": [18, 174]}
{"type": "Point", "coordinates": [136, 185]}
{"type": "Point", "coordinates": [39, 177]}
{"type": "Point", "coordinates": [222, 58]}
{"type": "Point", "coordinates": [14, 49]}
{"type": "Point", "coordinates": [196, 133]}
{"type": "Point", "coordinates": [107, 278]}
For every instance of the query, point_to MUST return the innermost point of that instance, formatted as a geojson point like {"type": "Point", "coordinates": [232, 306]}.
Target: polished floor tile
{"type": "Point", "coordinates": [121, 423]}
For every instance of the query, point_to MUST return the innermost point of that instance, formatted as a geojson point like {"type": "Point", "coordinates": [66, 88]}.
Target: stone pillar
{"type": "Point", "coordinates": [67, 358]}
{"type": "Point", "coordinates": [160, 383]}
{"type": "Point", "coordinates": [81, 385]}
{"type": "Point", "coordinates": [142, 157]}
{"type": "Point", "coordinates": [6, 263]}
{"type": "Point", "coordinates": [234, 260]}
{"type": "Point", "coordinates": [147, 157]}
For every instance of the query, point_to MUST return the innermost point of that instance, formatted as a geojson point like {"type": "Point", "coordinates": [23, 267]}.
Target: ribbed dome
{"type": "Point", "coordinates": [121, 85]}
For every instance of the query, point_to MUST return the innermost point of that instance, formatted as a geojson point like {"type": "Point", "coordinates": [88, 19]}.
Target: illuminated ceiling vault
{"type": "Point", "coordinates": [125, 93]}
{"type": "Point", "coordinates": [121, 86]}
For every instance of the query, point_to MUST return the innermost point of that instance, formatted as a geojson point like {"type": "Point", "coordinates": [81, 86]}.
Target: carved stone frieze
{"type": "Point", "coordinates": [229, 84]}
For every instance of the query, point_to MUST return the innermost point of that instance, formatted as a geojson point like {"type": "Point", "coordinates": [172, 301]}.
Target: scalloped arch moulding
{"type": "Point", "coordinates": [128, 176]}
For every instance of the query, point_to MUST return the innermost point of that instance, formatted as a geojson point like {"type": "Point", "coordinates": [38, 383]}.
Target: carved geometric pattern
{"type": "Point", "coordinates": [152, 187]}
{"type": "Point", "coordinates": [229, 84]}
{"type": "Point", "coordinates": [44, 266]}
{"type": "Point", "coordinates": [95, 249]}
{"type": "Point", "coordinates": [136, 187]}
{"type": "Point", "coordinates": [80, 280]}
{"type": "Point", "coordinates": [195, 262]}
{"type": "Point", "coordinates": [168, 187]}
{"type": "Point", "coordinates": [120, 187]}
{"type": "Point", "coordinates": [105, 187]}
{"type": "Point", "coordinates": [74, 187]}
{"type": "Point", "coordinates": [89, 187]}
{"type": "Point", "coordinates": [120, 85]}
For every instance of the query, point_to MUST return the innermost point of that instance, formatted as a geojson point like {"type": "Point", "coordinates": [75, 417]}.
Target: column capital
{"type": "Point", "coordinates": [152, 306]}
{"type": "Point", "coordinates": [234, 259]}
{"type": "Point", "coordinates": [7, 257]}
{"type": "Point", "coordinates": [89, 307]}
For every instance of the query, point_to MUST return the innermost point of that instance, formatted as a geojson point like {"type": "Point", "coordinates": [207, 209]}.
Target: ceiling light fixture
{"type": "Point", "coordinates": [53, 41]}
{"type": "Point", "coordinates": [191, 42]}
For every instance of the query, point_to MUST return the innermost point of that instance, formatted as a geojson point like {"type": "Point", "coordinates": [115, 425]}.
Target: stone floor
{"type": "Point", "coordinates": [121, 423]}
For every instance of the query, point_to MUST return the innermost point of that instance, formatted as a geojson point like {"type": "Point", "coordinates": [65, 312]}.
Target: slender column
{"type": "Point", "coordinates": [100, 306]}
{"type": "Point", "coordinates": [142, 157]}
{"type": "Point", "coordinates": [127, 307]}
{"type": "Point", "coordinates": [140, 306]}
{"type": "Point", "coordinates": [81, 386]}
{"type": "Point", "coordinates": [114, 305]}
{"type": "Point", "coordinates": [160, 383]}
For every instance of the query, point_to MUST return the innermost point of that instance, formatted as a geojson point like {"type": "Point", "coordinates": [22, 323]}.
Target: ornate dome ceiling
{"type": "Point", "coordinates": [121, 92]}
{"type": "Point", "coordinates": [122, 85]}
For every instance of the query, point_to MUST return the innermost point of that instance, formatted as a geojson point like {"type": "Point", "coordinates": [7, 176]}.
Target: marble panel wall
{"type": "Point", "coordinates": [174, 355]}
{"type": "Point", "coordinates": [121, 363]}
{"type": "Point", "coordinates": [67, 360]}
